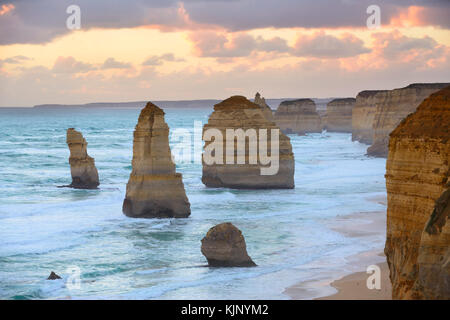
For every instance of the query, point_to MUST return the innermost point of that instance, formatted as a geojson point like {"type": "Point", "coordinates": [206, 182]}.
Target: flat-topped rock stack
{"type": "Point", "coordinates": [154, 189]}
{"type": "Point", "coordinates": [393, 106]}
{"type": "Point", "coordinates": [82, 166]}
{"type": "Point", "coordinates": [267, 111]}
{"type": "Point", "coordinates": [298, 116]}
{"type": "Point", "coordinates": [237, 114]}
{"type": "Point", "coordinates": [339, 115]}
{"type": "Point", "coordinates": [363, 115]}
{"type": "Point", "coordinates": [417, 175]}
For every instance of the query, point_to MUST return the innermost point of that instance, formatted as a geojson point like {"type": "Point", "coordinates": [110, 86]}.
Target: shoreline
{"type": "Point", "coordinates": [349, 282]}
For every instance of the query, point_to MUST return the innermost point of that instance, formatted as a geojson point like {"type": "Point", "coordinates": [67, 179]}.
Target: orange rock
{"type": "Point", "coordinates": [298, 116]}
{"type": "Point", "coordinates": [339, 115]}
{"type": "Point", "coordinates": [82, 166]}
{"type": "Point", "coordinates": [392, 107]}
{"type": "Point", "coordinates": [154, 189]}
{"type": "Point", "coordinates": [363, 114]}
{"type": "Point", "coordinates": [417, 173]}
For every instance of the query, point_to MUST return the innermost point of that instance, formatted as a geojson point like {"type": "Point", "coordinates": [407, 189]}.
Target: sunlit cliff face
{"type": "Point", "coordinates": [193, 49]}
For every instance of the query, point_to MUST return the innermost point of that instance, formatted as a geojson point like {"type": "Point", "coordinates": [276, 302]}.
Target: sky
{"type": "Point", "coordinates": [211, 49]}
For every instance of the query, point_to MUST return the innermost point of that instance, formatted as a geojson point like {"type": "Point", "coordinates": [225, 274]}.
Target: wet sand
{"type": "Point", "coordinates": [350, 283]}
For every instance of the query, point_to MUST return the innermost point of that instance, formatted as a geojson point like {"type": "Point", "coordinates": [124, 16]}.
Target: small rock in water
{"type": "Point", "coordinates": [53, 276]}
{"type": "Point", "coordinates": [224, 246]}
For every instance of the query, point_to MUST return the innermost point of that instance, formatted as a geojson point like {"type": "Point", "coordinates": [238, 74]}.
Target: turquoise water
{"type": "Point", "coordinates": [45, 228]}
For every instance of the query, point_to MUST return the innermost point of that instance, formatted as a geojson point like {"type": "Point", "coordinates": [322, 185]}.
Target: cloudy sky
{"type": "Point", "coordinates": [193, 49]}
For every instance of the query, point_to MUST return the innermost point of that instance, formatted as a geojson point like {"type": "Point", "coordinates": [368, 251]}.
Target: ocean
{"type": "Point", "coordinates": [289, 233]}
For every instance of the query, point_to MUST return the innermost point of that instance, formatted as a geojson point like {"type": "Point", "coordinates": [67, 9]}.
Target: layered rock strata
{"type": "Point", "coordinates": [267, 111]}
{"type": "Point", "coordinates": [234, 120]}
{"type": "Point", "coordinates": [224, 246]}
{"type": "Point", "coordinates": [298, 116]}
{"type": "Point", "coordinates": [392, 107]}
{"type": "Point", "coordinates": [433, 280]}
{"type": "Point", "coordinates": [363, 114]}
{"type": "Point", "coordinates": [417, 173]}
{"type": "Point", "coordinates": [339, 115]}
{"type": "Point", "coordinates": [154, 189]}
{"type": "Point", "coordinates": [82, 166]}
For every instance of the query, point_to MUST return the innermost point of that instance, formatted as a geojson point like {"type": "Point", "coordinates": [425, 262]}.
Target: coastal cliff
{"type": "Point", "coordinates": [363, 115]}
{"type": "Point", "coordinates": [82, 166]}
{"type": "Point", "coordinates": [154, 189]}
{"type": "Point", "coordinates": [239, 114]}
{"type": "Point", "coordinates": [392, 107]}
{"type": "Point", "coordinates": [298, 116]}
{"type": "Point", "coordinates": [339, 115]}
{"type": "Point", "coordinates": [417, 174]}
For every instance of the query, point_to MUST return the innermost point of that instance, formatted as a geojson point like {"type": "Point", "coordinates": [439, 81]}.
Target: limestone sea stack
{"type": "Point", "coordinates": [267, 111]}
{"type": "Point", "coordinates": [239, 114]}
{"type": "Point", "coordinates": [392, 107]}
{"type": "Point", "coordinates": [224, 246]}
{"type": "Point", "coordinates": [363, 115]}
{"type": "Point", "coordinates": [154, 189]}
{"type": "Point", "coordinates": [298, 116]}
{"type": "Point", "coordinates": [82, 166]}
{"type": "Point", "coordinates": [339, 115]}
{"type": "Point", "coordinates": [417, 174]}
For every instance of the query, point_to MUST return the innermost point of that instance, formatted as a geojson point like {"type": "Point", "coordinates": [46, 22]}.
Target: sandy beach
{"type": "Point", "coordinates": [350, 283]}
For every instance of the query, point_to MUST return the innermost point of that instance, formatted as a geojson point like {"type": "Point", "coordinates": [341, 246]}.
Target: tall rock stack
{"type": "Point", "coordinates": [417, 174]}
{"type": "Point", "coordinates": [267, 111]}
{"type": "Point", "coordinates": [82, 166]}
{"type": "Point", "coordinates": [239, 113]}
{"type": "Point", "coordinates": [392, 107]}
{"type": "Point", "coordinates": [298, 116]}
{"type": "Point", "coordinates": [363, 114]}
{"type": "Point", "coordinates": [154, 189]}
{"type": "Point", "coordinates": [339, 115]}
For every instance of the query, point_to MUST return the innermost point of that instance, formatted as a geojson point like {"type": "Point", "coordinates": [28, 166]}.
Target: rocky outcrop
{"type": "Point", "coordinates": [392, 107]}
{"type": "Point", "coordinates": [417, 173]}
{"type": "Point", "coordinates": [298, 116]}
{"type": "Point", "coordinates": [267, 111]}
{"type": "Point", "coordinates": [154, 189]}
{"type": "Point", "coordinates": [53, 276]}
{"type": "Point", "coordinates": [433, 280]}
{"type": "Point", "coordinates": [224, 246]}
{"type": "Point", "coordinates": [251, 172]}
{"type": "Point", "coordinates": [82, 166]}
{"type": "Point", "coordinates": [339, 115]}
{"type": "Point", "coordinates": [363, 115]}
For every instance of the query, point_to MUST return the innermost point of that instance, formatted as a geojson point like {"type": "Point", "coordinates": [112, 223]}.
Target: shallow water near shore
{"type": "Point", "coordinates": [290, 234]}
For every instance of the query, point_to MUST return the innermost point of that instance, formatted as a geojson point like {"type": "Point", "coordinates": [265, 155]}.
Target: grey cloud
{"type": "Point", "coordinates": [326, 46]}
{"type": "Point", "coordinates": [211, 44]}
{"type": "Point", "coordinates": [41, 21]}
{"type": "Point", "coordinates": [158, 60]}
{"type": "Point", "coordinates": [70, 65]}
{"type": "Point", "coordinates": [112, 63]}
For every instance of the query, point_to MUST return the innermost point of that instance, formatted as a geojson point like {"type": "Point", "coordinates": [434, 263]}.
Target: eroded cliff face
{"type": "Point", "coordinates": [237, 113]}
{"type": "Point", "coordinates": [267, 111]}
{"type": "Point", "coordinates": [154, 189]}
{"type": "Point", "coordinates": [392, 107]}
{"type": "Point", "coordinates": [298, 116]}
{"type": "Point", "coordinates": [363, 114]}
{"type": "Point", "coordinates": [82, 166]}
{"type": "Point", "coordinates": [433, 281]}
{"type": "Point", "coordinates": [339, 115]}
{"type": "Point", "coordinates": [417, 173]}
